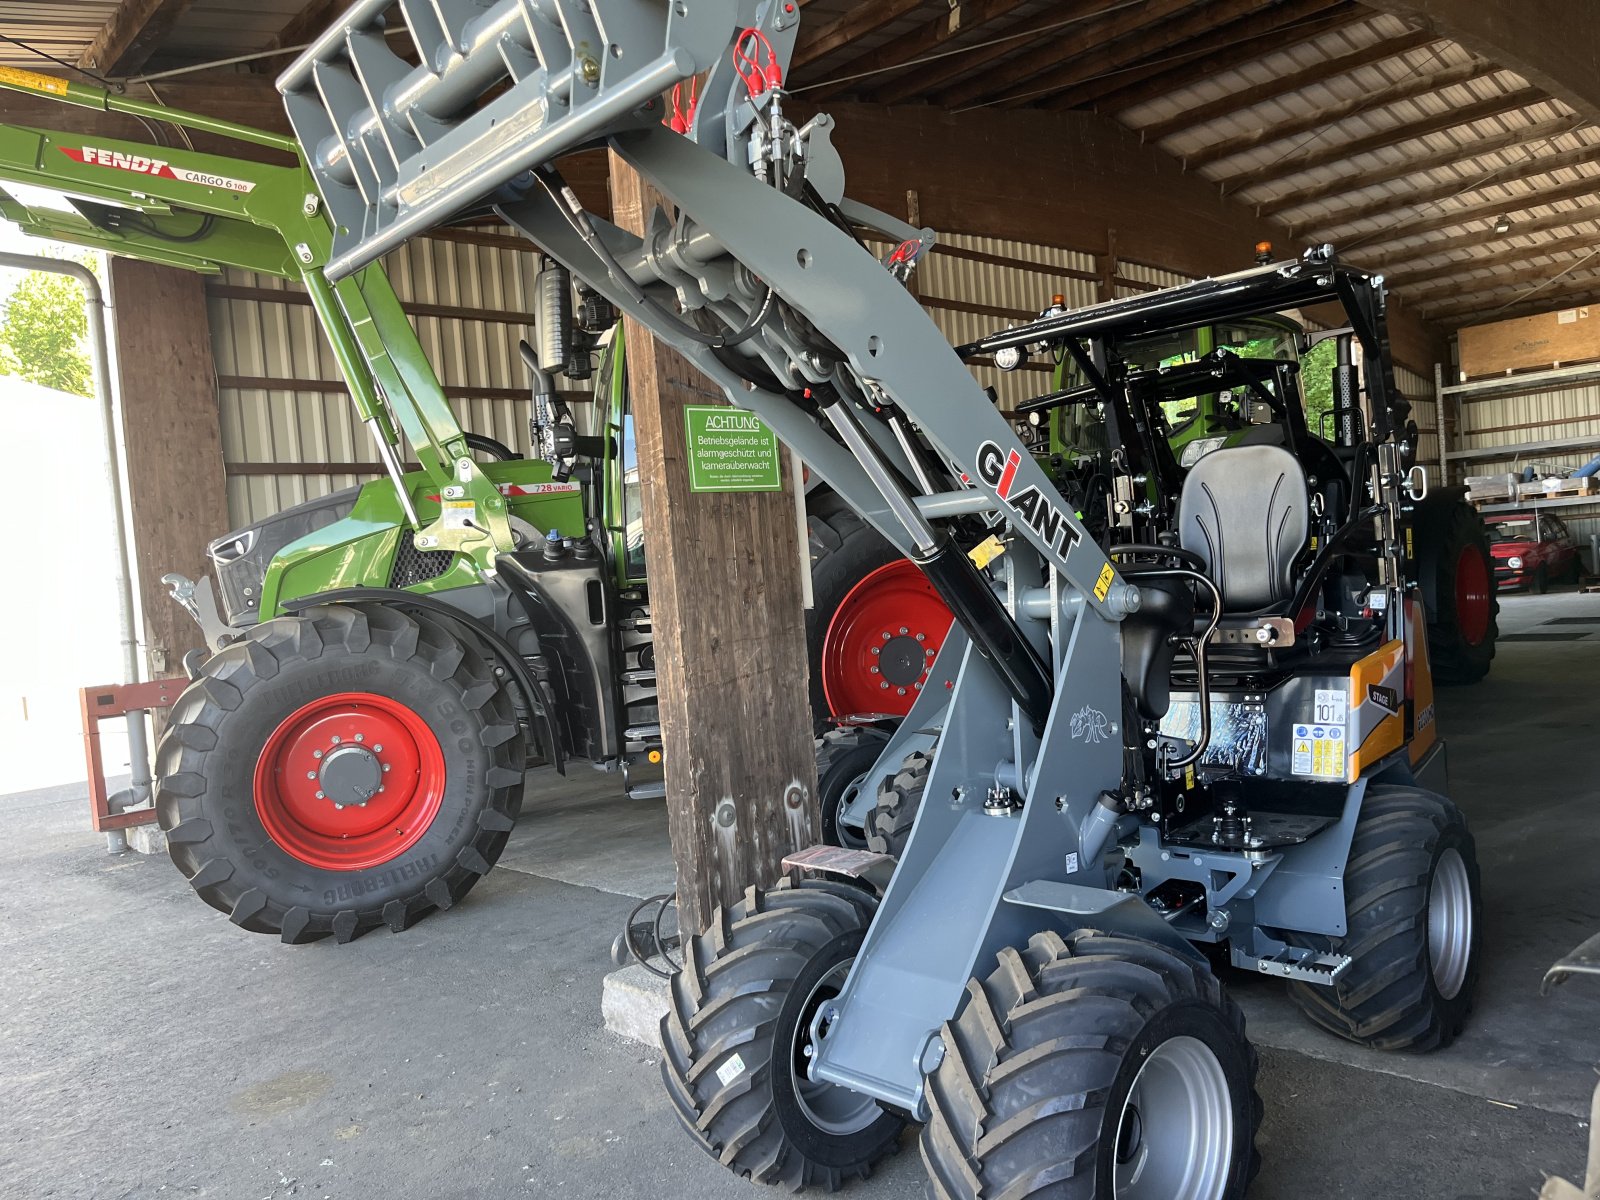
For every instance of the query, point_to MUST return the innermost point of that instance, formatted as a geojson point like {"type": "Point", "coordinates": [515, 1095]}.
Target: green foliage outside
{"type": "Point", "coordinates": [1316, 382]}
{"type": "Point", "coordinates": [44, 332]}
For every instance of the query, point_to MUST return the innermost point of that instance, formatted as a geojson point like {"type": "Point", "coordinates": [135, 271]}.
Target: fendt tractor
{"type": "Point", "coordinates": [313, 809]}
{"type": "Point", "coordinates": [1198, 731]}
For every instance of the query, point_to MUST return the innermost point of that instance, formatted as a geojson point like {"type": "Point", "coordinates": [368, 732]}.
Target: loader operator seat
{"type": "Point", "coordinates": [1245, 510]}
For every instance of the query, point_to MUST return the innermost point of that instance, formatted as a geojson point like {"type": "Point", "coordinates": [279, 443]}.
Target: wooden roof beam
{"type": "Point", "coordinates": [966, 18]}
{"type": "Point", "coordinates": [1282, 85]}
{"type": "Point", "coordinates": [1460, 268]}
{"type": "Point", "coordinates": [1488, 211]}
{"type": "Point", "coordinates": [1396, 262]}
{"type": "Point", "coordinates": [1554, 292]}
{"type": "Point", "coordinates": [1452, 156]}
{"type": "Point", "coordinates": [131, 34]}
{"type": "Point", "coordinates": [1072, 84]}
{"type": "Point", "coordinates": [1278, 29]}
{"type": "Point", "coordinates": [1550, 300]}
{"type": "Point", "coordinates": [1406, 89]}
{"type": "Point", "coordinates": [1417, 197]}
{"type": "Point", "coordinates": [863, 20]}
{"type": "Point", "coordinates": [1096, 48]}
{"type": "Point", "coordinates": [946, 71]}
{"type": "Point", "coordinates": [1466, 114]}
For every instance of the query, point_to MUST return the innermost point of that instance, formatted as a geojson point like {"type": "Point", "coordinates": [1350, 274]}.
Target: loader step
{"type": "Point", "coordinates": [647, 791]}
{"type": "Point", "coordinates": [640, 678]}
{"type": "Point", "coordinates": [635, 624]}
{"type": "Point", "coordinates": [642, 733]}
{"type": "Point", "coordinates": [1305, 966]}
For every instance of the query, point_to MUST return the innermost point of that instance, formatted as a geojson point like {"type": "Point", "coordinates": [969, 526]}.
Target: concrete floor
{"type": "Point", "coordinates": [150, 1049]}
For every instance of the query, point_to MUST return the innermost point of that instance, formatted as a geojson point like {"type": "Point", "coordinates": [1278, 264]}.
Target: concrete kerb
{"type": "Point", "coordinates": [633, 1001]}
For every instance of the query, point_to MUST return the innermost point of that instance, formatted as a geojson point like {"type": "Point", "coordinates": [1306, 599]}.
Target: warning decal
{"type": "Point", "coordinates": [1319, 751]}
{"type": "Point", "coordinates": [16, 77]}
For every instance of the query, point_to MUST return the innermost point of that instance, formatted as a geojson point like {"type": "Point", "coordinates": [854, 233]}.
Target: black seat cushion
{"type": "Point", "coordinates": [1246, 512]}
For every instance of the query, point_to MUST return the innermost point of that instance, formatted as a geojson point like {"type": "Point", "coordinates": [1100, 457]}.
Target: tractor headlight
{"type": "Point", "coordinates": [1514, 562]}
{"type": "Point", "coordinates": [1009, 358]}
{"type": "Point", "coordinates": [1198, 449]}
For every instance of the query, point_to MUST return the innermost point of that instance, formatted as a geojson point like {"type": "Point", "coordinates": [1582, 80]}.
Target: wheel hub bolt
{"type": "Point", "coordinates": [884, 685]}
{"type": "Point", "coordinates": [876, 650]}
{"type": "Point", "coordinates": [316, 754]}
{"type": "Point", "coordinates": [922, 637]}
{"type": "Point", "coordinates": [903, 629]}
{"type": "Point", "coordinates": [886, 635]}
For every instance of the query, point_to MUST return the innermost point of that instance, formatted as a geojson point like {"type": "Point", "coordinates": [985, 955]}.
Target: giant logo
{"type": "Point", "coordinates": [999, 470]}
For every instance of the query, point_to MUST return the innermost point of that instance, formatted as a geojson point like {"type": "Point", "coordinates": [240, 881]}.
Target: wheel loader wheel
{"type": "Point", "coordinates": [737, 1033]}
{"type": "Point", "coordinates": [1093, 1067]}
{"type": "Point", "coordinates": [1411, 890]}
{"type": "Point", "coordinates": [871, 609]}
{"type": "Point", "coordinates": [1463, 626]}
{"type": "Point", "coordinates": [844, 756]}
{"type": "Point", "coordinates": [889, 826]}
{"type": "Point", "coordinates": [338, 770]}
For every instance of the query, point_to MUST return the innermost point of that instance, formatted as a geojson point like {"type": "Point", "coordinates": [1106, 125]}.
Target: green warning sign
{"type": "Point", "coordinates": [730, 450]}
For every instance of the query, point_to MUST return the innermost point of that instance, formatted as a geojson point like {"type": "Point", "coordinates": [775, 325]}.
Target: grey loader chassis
{"type": "Point", "coordinates": [1027, 984]}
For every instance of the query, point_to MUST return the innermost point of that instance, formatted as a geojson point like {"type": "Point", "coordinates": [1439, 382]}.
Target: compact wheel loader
{"type": "Point", "coordinates": [1207, 729]}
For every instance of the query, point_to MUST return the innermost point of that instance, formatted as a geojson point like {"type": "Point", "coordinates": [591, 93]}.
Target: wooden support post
{"type": "Point", "coordinates": [730, 640]}
{"type": "Point", "coordinates": [171, 429]}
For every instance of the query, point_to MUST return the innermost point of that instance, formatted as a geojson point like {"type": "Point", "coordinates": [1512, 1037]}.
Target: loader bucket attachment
{"type": "Point", "coordinates": [502, 87]}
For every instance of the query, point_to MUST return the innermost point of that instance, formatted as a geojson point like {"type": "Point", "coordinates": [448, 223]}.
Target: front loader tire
{"type": "Point", "coordinates": [844, 756]}
{"type": "Point", "coordinates": [1089, 1067]}
{"type": "Point", "coordinates": [398, 715]}
{"type": "Point", "coordinates": [889, 826]}
{"type": "Point", "coordinates": [1413, 921]}
{"type": "Point", "coordinates": [736, 1033]}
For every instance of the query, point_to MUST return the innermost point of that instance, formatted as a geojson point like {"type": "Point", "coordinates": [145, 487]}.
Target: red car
{"type": "Point", "coordinates": [1532, 550]}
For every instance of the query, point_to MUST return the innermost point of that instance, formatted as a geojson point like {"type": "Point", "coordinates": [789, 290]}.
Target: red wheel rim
{"type": "Point", "coordinates": [349, 781]}
{"type": "Point", "coordinates": [1472, 595]}
{"type": "Point", "coordinates": [882, 641]}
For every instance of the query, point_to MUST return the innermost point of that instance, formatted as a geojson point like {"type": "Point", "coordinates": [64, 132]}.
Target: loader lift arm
{"type": "Point", "coordinates": [206, 213]}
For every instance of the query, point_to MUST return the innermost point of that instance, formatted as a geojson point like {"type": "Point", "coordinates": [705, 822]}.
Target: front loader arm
{"type": "Point", "coordinates": [785, 309]}
{"type": "Point", "coordinates": [207, 212]}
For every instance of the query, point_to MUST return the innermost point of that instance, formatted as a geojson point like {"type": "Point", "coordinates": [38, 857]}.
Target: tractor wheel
{"type": "Point", "coordinates": [1462, 627]}
{"type": "Point", "coordinates": [844, 756]}
{"type": "Point", "coordinates": [1090, 1068]}
{"type": "Point", "coordinates": [889, 826]}
{"type": "Point", "coordinates": [737, 1037]}
{"type": "Point", "coordinates": [1411, 888]}
{"type": "Point", "coordinates": [338, 770]}
{"type": "Point", "coordinates": [875, 623]}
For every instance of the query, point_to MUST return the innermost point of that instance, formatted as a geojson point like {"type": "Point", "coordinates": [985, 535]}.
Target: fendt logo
{"type": "Point", "coordinates": [999, 471]}
{"type": "Point", "coordinates": [139, 164]}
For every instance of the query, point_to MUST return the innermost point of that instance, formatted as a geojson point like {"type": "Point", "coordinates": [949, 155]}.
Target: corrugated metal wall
{"type": "Point", "coordinates": [287, 423]}
{"type": "Point", "coordinates": [1534, 416]}
{"type": "Point", "coordinates": [288, 426]}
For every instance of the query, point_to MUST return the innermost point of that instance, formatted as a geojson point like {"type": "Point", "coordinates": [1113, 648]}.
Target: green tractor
{"type": "Point", "coordinates": [384, 663]}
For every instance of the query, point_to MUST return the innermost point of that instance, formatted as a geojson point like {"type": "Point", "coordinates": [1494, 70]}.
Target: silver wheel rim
{"type": "Point", "coordinates": [831, 1108]}
{"type": "Point", "coordinates": [848, 835]}
{"type": "Point", "coordinates": [1450, 924]}
{"type": "Point", "coordinates": [1175, 1132]}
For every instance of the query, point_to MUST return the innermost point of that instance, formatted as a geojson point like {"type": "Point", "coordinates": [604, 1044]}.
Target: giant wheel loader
{"type": "Point", "coordinates": [318, 779]}
{"type": "Point", "coordinates": [1207, 730]}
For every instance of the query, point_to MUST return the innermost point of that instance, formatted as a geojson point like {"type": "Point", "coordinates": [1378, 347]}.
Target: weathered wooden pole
{"type": "Point", "coordinates": [729, 629]}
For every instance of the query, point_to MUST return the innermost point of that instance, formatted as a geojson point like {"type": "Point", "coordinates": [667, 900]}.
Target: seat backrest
{"type": "Point", "coordinates": [1246, 512]}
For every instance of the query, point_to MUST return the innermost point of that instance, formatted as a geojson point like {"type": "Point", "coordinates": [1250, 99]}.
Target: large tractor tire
{"type": "Point", "coordinates": [737, 1036]}
{"type": "Point", "coordinates": [889, 826]}
{"type": "Point", "coordinates": [875, 623]}
{"type": "Point", "coordinates": [1411, 890]}
{"type": "Point", "coordinates": [340, 769]}
{"type": "Point", "coordinates": [1451, 549]}
{"type": "Point", "coordinates": [844, 756]}
{"type": "Point", "coordinates": [1093, 1067]}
